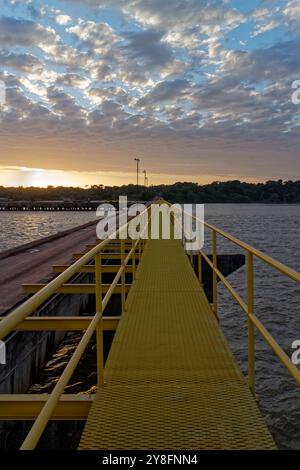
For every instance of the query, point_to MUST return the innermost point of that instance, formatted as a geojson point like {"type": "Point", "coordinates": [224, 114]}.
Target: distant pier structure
{"type": "Point", "coordinates": [52, 205]}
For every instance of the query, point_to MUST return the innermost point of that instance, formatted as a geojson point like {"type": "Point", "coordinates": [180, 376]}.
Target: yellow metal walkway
{"type": "Point", "coordinates": [171, 381]}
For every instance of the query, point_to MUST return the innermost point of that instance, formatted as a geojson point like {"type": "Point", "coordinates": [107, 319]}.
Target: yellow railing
{"type": "Point", "coordinates": [248, 307]}
{"type": "Point", "coordinates": [11, 322]}
{"type": "Point", "coordinates": [96, 324]}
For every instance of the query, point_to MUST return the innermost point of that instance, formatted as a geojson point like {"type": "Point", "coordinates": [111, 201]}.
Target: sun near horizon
{"type": "Point", "coordinates": [40, 177]}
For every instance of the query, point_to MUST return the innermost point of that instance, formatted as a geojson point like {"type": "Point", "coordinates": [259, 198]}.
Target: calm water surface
{"type": "Point", "coordinates": [274, 229]}
{"type": "Point", "coordinates": [17, 228]}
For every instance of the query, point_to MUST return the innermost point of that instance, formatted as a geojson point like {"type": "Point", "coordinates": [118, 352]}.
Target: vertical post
{"type": "Point", "coordinates": [251, 339]}
{"type": "Point", "coordinates": [142, 242]}
{"type": "Point", "coordinates": [99, 330]}
{"type": "Point", "coordinates": [215, 278]}
{"type": "Point", "coordinates": [137, 170]}
{"type": "Point", "coordinates": [149, 222]}
{"type": "Point", "coordinates": [200, 267]}
{"type": "Point", "coordinates": [123, 276]}
{"type": "Point", "coordinates": [133, 259]}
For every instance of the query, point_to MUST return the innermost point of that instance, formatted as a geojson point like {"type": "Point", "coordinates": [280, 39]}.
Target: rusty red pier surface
{"type": "Point", "coordinates": [32, 262]}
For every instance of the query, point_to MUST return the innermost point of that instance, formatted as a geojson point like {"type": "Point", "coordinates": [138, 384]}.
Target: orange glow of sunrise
{"type": "Point", "coordinates": [39, 177]}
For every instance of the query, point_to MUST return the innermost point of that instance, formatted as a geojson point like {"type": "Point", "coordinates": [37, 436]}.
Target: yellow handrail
{"type": "Point", "coordinates": [10, 322]}
{"type": "Point", "coordinates": [291, 273]}
{"type": "Point", "coordinates": [248, 307]}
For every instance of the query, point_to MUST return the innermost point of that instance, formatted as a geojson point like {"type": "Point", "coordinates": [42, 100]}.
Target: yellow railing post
{"type": "Point", "coordinates": [123, 276]}
{"type": "Point", "coordinates": [251, 339]}
{"type": "Point", "coordinates": [215, 277]}
{"type": "Point", "coordinates": [99, 329]}
{"type": "Point", "coordinates": [133, 259]}
{"type": "Point", "coordinates": [200, 267]}
{"type": "Point", "coordinates": [143, 240]}
{"type": "Point", "coordinates": [149, 221]}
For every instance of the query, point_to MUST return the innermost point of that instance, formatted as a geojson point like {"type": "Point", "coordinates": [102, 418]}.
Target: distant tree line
{"type": "Point", "coordinates": [227, 192]}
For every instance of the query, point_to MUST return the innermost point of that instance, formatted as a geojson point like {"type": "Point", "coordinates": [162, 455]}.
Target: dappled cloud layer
{"type": "Point", "coordinates": [197, 88]}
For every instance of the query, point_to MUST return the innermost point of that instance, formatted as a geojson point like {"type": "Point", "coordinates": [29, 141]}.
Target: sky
{"type": "Point", "coordinates": [199, 90]}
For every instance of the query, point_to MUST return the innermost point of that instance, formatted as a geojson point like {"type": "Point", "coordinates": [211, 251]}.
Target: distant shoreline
{"type": "Point", "coordinates": [227, 192]}
{"type": "Point", "coordinates": [53, 209]}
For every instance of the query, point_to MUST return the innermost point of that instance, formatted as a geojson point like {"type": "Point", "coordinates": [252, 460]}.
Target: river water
{"type": "Point", "coordinates": [274, 229]}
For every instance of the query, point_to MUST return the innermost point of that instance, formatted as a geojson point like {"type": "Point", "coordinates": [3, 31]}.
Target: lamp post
{"type": "Point", "coordinates": [145, 178]}
{"type": "Point", "coordinates": [137, 170]}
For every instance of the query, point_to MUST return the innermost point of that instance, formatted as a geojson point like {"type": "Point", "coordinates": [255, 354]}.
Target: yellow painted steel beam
{"type": "Point", "coordinates": [28, 406]}
{"type": "Point", "coordinates": [90, 268]}
{"type": "Point", "coordinates": [113, 241]}
{"type": "Point", "coordinates": [64, 323]}
{"type": "Point", "coordinates": [73, 288]}
{"type": "Point", "coordinates": [110, 246]}
{"type": "Point", "coordinates": [77, 256]}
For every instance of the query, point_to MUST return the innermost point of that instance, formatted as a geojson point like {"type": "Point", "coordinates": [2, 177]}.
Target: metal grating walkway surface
{"type": "Point", "coordinates": [171, 381]}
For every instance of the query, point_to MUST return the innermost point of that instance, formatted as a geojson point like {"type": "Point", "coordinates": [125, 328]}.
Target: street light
{"type": "Point", "coordinates": [137, 170]}
{"type": "Point", "coordinates": [145, 178]}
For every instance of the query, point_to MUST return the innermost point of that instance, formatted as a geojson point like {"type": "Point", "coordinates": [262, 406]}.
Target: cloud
{"type": "Point", "coordinates": [274, 63]}
{"type": "Point", "coordinates": [62, 19]}
{"type": "Point", "coordinates": [165, 91]}
{"type": "Point", "coordinates": [72, 80]}
{"type": "Point", "coordinates": [292, 15]}
{"type": "Point", "coordinates": [26, 63]}
{"type": "Point", "coordinates": [99, 95]}
{"type": "Point", "coordinates": [95, 37]}
{"type": "Point", "coordinates": [25, 33]}
{"type": "Point", "coordinates": [148, 48]}
{"type": "Point", "coordinates": [64, 104]}
{"type": "Point", "coordinates": [264, 28]}
{"type": "Point", "coordinates": [266, 19]}
{"type": "Point", "coordinates": [208, 15]}
{"type": "Point", "coordinates": [261, 14]}
{"type": "Point", "coordinates": [183, 20]}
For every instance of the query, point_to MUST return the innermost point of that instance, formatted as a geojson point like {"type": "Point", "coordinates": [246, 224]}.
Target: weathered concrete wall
{"type": "Point", "coordinates": [27, 352]}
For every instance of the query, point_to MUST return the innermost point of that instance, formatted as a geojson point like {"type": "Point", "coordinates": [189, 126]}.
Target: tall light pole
{"type": "Point", "coordinates": [145, 178]}
{"type": "Point", "coordinates": [137, 170]}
